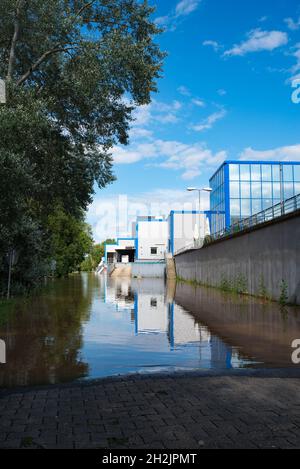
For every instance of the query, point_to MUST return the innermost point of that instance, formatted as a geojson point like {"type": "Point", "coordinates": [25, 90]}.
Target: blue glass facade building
{"type": "Point", "coordinates": [245, 188]}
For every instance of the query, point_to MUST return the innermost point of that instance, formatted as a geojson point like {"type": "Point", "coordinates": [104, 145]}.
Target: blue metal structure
{"type": "Point", "coordinates": [208, 213]}
{"type": "Point", "coordinates": [242, 189]}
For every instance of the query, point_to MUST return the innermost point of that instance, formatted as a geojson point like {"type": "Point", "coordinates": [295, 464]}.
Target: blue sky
{"type": "Point", "coordinates": [225, 93]}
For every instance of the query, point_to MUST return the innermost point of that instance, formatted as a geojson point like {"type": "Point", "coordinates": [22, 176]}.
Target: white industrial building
{"type": "Point", "coordinates": [152, 239]}
{"type": "Point", "coordinates": [155, 237]}
{"type": "Point", "coordinates": [123, 251]}
{"type": "Point", "coordinates": [185, 228]}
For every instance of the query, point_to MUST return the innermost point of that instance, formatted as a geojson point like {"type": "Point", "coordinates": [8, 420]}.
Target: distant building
{"type": "Point", "coordinates": [185, 227]}
{"type": "Point", "coordinates": [152, 238]}
{"type": "Point", "coordinates": [123, 251]}
{"type": "Point", "coordinates": [244, 188]}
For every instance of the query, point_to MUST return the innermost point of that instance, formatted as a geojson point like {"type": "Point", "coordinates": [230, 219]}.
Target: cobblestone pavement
{"type": "Point", "coordinates": [180, 412]}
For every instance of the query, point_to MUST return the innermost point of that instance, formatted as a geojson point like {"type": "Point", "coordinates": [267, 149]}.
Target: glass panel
{"type": "Point", "coordinates": [256, 190]}
{"type": "Point", "coordinates": [235, 190]}
{"type": "Point", "coordinates": [246, 208]}
{"type": "Point", "coordinates": [235, 207]}
{"type": "Point", "coordinates": [297, 188]}
{"type": "Point", "coordinates": [288, 172]}
{"type": "Point", "coordinates": [276, 190]}
{"type": "Point", "coordinates": [245, 172]}
{"type": "Point", "coordinates": [266, 172]}
{"type": "Point", "coordinates": [256, 206]}
{"type": "Point", "coordinates": [267, 190]}
{"type": "Point", "coordinates": [234, 220]}
{"type": "Point", "coordinates": [267, 203]}
{"type": "Point", "coordinates": [297, 172]}
{"type": "Point", "coordinates": [276, 173]}
{"type": "Point", "coordinates": [234, 171]}
{"type": "Point", "coordinates": [245, 190]}
{"type": "Point", "coordinates": [256, 172]}
{"type": "Point", "coordinates": [288, 190]}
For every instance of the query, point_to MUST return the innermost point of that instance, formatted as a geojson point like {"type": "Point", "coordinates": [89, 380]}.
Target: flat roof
{"type": "Point", "coordinates": [252, 162]}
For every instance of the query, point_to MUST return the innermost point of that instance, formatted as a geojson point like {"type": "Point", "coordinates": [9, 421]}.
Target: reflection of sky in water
{"type": "Point", "coordinates": [133, 328]}
{"type": "Point", "coordinates": [86, 326]}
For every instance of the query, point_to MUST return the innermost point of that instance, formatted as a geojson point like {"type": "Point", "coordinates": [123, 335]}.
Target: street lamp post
{"type": "Point", "coordinates": [195, 189]}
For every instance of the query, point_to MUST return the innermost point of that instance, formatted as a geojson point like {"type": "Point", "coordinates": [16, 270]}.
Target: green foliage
{"type": "Point", "coordinates": [75, 71]}
{"type": "Point", "coordinates": [237, 285]}
{"type": "Point", "coordinates": [284, 296]}
{"type": "Point", "coordinates": [71, 240]}
{"type": "Point", "coordinates": [241, 284]}
{"type": "Point", "coordinates": [94, 257]}
{"type": "Point", "coordinates": [225, 284]}
{"type": "Point", "coordinates": [262, 289]}
{"type": "Point", "coordinates": [208, 240]}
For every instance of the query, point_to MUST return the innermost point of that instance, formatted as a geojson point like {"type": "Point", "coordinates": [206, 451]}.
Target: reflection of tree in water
{"type": "Point", "coordinates": [43, 334]}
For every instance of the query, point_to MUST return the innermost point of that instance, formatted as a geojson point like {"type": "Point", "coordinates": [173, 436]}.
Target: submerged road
{"type": "Point", "coordinates": [256, 409]}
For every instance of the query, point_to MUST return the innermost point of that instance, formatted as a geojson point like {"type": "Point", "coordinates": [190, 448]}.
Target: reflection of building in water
{"type": "Point", "coordinates": [183, 329]}
{"type": "Point", "coordinates": [151, 313]}
{"type": "Point", "coordinates": [155, 314]}
{"type": "Point", "coordinates": [221, 354]}
{"type": "Point", "coordinates": [119, 293]}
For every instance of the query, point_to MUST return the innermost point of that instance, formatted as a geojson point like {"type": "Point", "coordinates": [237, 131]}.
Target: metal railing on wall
{"type": "Point", "coordinates": [276, 211]}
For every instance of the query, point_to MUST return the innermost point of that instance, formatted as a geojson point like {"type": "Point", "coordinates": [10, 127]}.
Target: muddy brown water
{"type": "Point", "coordinates": [89, 326]}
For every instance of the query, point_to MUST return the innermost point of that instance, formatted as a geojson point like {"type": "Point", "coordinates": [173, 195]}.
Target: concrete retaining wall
{"type": "Point", "coordinates": [148, 269]}
{"type": "Point", "coordinates": [258, 261]}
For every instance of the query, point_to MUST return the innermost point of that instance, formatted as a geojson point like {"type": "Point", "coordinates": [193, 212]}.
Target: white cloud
{"type": "Point", "coordinates": [222, 92]}
{"type": "Point", "coordinates": [140, 133]}
{"type": "Point", "coordinates": [208, 123]}
{"type": "Point", "coordinates": [263, 19]}
{"type": "Point", "coordinates": [292, 24]}
{"type": "Point", "coordinates": [156, 111]}
{"type": "Point", "coordinates": [257, 41]}
{"type": "Point", "coordinates": [185, 7]}
{"type": "Point", "coordinates": [182, 9]}
{"type": "Point", "coordinates": [199, 102]}
{"type": "Point", "coordinates": [296, 68]}
{"type": "Point", "coordinates": [112, 217]}
{"type": "Point", "coordinates": [189, 159]}
{"type": "Point", "coordinates": [214, 44]}
{"type": "Point", "coordinates": [287, 153]}
{"type": "Point", "coordinates": [184, 91]}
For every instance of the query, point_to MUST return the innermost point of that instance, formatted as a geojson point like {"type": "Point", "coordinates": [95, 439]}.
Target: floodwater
{"type": "Point", "coordinates": [89, 326]}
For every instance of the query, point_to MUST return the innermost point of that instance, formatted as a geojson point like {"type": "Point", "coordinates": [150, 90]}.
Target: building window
{"type": "Point", "coordinates": [297, 173]}
{"type": "Point", "coordinates": [256, 172]}
{"type": "Point", "coordinates": [234, 171]}
{"type": "Point", "coordinates": [288, 173]}
{"type": "Point", "coordinates": [245, 172]}
{"type": "Point", "coordinates": [266, 173]}
{"type": "Point", "coordinates": [154, 251]}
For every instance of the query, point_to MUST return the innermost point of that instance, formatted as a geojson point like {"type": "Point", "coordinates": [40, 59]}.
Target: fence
{"type": "Point", "coordinates": [283, 208]}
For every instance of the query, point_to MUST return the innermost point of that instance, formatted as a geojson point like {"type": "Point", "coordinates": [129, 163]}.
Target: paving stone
{"type": "Point", "coordinates": [186, 412]}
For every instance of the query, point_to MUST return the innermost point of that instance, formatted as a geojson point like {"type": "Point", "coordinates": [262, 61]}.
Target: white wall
{"type": "Point", "coordinates": [152, 313]}
{"type": "Point", "coordinates": [185, 228]}
{"type": "Point", "coordinates": [122, 244]}
{"type": "Point", "coordinates": [152, 234]}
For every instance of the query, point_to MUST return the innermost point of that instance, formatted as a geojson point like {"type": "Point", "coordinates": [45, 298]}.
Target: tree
{"type": "Point", "coordinates": [75, 70]}
{"type": "Point", "coordinates": [71, 240]}
{"type": "Point", "coordinates": [94, 257]}
{"type": "Point", "coordinates": [72, 63]}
